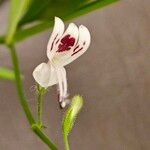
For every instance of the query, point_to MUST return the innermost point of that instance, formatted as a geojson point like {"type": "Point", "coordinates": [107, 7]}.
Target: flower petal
{"type": "Point", "coordinates": [53, 77]}
{"type": "Point", "coordinates": [41, 74]}
{"type": "Point", "coordinates": [45, 75]}
{"type": "Point", "coordinates": [66, 44]}
{"type": "Point", "coordinates": [69, 38]}
{"type": "Point", "coordinates": [64, 80]}
{"type": "Point", "coordinates": [56, 34]}
{"type": "Point", "coordinates": [81, 46]}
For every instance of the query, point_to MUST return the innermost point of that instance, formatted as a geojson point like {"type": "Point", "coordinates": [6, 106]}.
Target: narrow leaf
{"type": "Point", "coordinates": [7, 74]}
{"type": "Point", "coordinates": [2, 39]}
{"type": "Point", "coordinates": [45, 24]}
{"type": "Point", "coordinates": [18, 8]}
{"type": "Point", "coordinates": [71, 114]}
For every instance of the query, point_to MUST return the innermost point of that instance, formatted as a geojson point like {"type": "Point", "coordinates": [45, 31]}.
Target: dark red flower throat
{"type": "Point", "coordinates": [66, 43]}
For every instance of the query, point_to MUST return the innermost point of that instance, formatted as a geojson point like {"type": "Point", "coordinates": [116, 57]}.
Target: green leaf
{"type": "Point", "coordinates": [7, 74]}
{"type": "Point", "coordinates": [71, 114]}
{"type": "Point", "coordinates": [50, 8]}
{"type": "Point", "coordinates": [2, 39]}
{"type": "Point", "coordinates": [17, 10]}
{"type": "Point", "coordinates": [70, 10]}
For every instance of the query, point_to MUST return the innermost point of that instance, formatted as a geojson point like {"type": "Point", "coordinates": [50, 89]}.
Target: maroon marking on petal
{"type": "Point", "coordinates": [57, 41]}
{"type": "Point", "coordinates": [66, 43]}
{"type": "Point", "coordinates": [77, 51]}
{"type": "Point", "coordinates": [76, 48]}
{"type": "Point", "coordinates": [53, 41]}
{"type": "Point", "coordinates": [84, 43]}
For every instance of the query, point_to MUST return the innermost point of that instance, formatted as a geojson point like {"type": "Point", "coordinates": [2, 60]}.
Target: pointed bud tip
{"type": "Point", "coordinates": [76, 104]}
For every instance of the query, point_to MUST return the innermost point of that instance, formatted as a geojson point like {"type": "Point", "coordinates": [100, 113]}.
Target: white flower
{"type": "Point", "coordinates": [63, 48]}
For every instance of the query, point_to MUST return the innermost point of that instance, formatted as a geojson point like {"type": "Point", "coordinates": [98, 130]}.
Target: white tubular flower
{"type": "Point", "coordinates": [63, 48]}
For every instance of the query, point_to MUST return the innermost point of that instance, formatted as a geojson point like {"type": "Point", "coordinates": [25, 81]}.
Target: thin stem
{"type": "Point", "coordinates": [39, 108]}
{"type": "Point", "coordinates": [24, 102]}
{"type": "Point", "coordinates": [66, 142]}
{"type": "Point", "coordinates": [43, 137]}
{"type": "Point", "coordinates": [40, 92]}
{"type": "Point", "coordinates": [19, 86]}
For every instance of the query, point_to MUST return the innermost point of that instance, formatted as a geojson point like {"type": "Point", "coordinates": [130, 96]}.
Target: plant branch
{"type": "Point", "coordinates": [19, 86]}
{"type": "Point", "coordinates": [24, 102]}
{"type": "Point", "coordinates": [43, 137]}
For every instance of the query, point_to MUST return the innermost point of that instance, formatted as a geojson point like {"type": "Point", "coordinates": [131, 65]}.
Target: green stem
{"type": "Point", "coordinates": [19, 86]}
{"type": "Point", "coordinates": [39, 108]}
{"type": "Point", "coordinates": [43, 137]}
{"type": "Point", "coordinates": [66, 142]}
{"type": "Point", "coordinates": [24, 102]}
